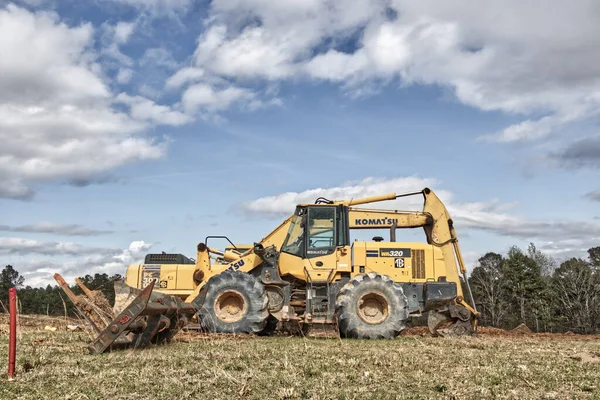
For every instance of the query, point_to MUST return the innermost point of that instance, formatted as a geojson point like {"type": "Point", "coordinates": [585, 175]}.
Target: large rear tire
{"type": "Point", "coordinates": [232, 302]}
{"type": "Point", "coordinates": [371, 306]}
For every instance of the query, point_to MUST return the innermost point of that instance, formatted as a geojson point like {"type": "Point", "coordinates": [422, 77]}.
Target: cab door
{"type": "Point", "coordinates": [317, 242]}
{"type": "Point", "coordinates": [327, 248]}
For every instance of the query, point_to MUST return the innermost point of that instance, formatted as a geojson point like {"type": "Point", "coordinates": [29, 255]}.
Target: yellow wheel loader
{"type": "Point", "coordinates": [307, 271]}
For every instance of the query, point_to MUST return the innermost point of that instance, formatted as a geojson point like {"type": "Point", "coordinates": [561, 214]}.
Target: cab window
{"type": "Point", "coordinates": [294, 241]}
{"type": "Point", "coordinates": [321, 231]}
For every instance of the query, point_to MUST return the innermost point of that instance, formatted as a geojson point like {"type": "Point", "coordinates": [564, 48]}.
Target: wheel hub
{"type": "Point", "coordinates": [230, 306]}
{"type": "Point", "coordinates": [373, 308]}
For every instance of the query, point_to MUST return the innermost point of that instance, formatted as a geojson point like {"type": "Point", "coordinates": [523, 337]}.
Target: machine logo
{"type": "Point", "coordinates": [375, 221]}
{"type": "Point", "coordinates": [236, 266]}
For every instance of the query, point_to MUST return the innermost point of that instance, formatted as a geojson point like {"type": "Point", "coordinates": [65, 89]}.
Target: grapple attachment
{"type": "Point", "coordinates": [454, 320]}
{"type": "Point", "coordinates": [138, 317]}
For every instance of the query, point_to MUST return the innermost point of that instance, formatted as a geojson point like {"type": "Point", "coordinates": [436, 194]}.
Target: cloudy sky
{"type": "Point", "coordinates": [129, 126]}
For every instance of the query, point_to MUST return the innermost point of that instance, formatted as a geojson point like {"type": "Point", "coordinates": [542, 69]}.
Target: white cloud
{"type": "Point", "coordinates": [60, 229]}
{"type": "Point", "coordinates": [158, 57]}
{"type": "Point", "coordinates": [113, 36]}
{"type": "Point", "coordinates": [520, 58]}
{"type": "Point", "coordinates": [43, 60]}
{"type": "Point", "coordinates": [124, 75]}
{"type": "Point", "coordinates": [158, 7]}
{"type": "Point", "coordinates": [206, 94]}
{"type": "Point", "coordinates": [57, 120]}
{"type": "Point", "coordinates": [146, 110]}
{"type": "Point", "coordinates": [184, 76]}
{"type": "Point", "coordinates": [123, 31]}
{"type": "Point", "coordinates": [83, 261]}
{"type": "Point", "coordinates": [527, 129]}
{"type": "Point", "coordinates": [285, 37]}
{"type": "Point", "coordinates": [486, 216]}
{"type": "Point", "coordinates": [563, 238]}
{"type": "Point", "coordinates": [255, 52]}
{"type": "Point", "coordinates": [283, 204]}
{"type": "Point", "coordinates": [337, 66]}
{"type": "Point", "coordinates": [202, 96]}
{"type": "Point", "coordinates": [118, 58]}
{"type": "Point", "coordinates": [35, 3]}
{"type": "Point", "coordinates": [15, 189]}
{"type": "Point", "coordinates": [20, 246]}
{"type": "Point", "coordinates": [149, 91]}
{"type": "Point", "coordinates": [536, 129]}
{"type": "Point", "coordinates": [232, 53]}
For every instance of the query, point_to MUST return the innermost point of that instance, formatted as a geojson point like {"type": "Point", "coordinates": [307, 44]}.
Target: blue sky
{"type": "Point", "coordinates": [132, 126]}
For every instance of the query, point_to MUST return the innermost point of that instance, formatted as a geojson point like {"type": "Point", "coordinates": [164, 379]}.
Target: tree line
{"type": "Point", "coordinates": [529, 287]}
{"type": "Point", "coordinates": [50, 300]}
{"type": "Point", "coordinates": [519, 287]}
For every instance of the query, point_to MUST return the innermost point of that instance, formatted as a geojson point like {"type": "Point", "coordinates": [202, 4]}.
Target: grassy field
{"type": "Point", "coordinates": [412, 367]}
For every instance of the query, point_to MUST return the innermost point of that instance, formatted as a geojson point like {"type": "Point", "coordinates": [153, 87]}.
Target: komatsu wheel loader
{"type": "Point", "coordinates": [307, 271]}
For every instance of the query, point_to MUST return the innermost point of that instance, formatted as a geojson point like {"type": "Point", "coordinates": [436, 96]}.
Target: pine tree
{"type": "Point", "coordinates": [526, 290]}
{"type": "Point", "coordinates": [9, 278]}
{"type": "Point", "coordinates": [594, 254]}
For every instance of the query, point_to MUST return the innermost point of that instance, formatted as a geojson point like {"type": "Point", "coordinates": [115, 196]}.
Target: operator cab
{"type": "Point", "coordinates": [317, 230]}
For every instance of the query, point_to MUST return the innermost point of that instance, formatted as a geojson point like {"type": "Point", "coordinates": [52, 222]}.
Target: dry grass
{"type": "Point", "coordinates": [213, 367]}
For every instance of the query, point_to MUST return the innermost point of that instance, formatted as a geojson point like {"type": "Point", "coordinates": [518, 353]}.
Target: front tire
{"type": "Point", "coordinates": [371, 306]}
{"type": "Point", "coordinates": [232, 302]}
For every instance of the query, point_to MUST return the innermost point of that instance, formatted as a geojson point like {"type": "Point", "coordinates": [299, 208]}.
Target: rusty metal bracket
{"type": "Point", "coordinates": [75, 302]}
{"type": "Point", "coordinates": [144, 317]}
{"type": "Point", "coordinates": [122, 322]}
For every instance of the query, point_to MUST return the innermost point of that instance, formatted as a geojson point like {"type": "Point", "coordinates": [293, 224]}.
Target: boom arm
{"type": "Point", "coordinates": [369, 219]}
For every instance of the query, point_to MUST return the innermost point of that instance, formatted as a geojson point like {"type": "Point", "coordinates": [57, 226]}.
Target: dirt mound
{"type": "Point", "coordinates": [522, 329]}
{"type": "Point", "coordinates": [416, 331]}
{"type": "Point", "coordinates": [491, 331]}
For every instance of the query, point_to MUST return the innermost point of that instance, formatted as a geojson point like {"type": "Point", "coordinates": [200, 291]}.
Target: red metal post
{"type": "Point", "coordinates": [12, 337]}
